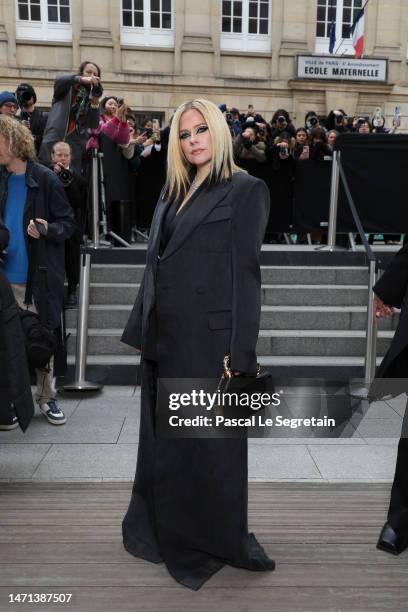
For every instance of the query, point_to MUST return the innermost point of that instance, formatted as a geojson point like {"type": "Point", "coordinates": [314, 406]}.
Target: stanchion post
{"type": "Point", "coordinates": [370, 360]}
{"type": "Point", "coordinates": [371, 343]}
{"type": "Point", "coordinates": [80, 384]}
{"type": "Point", "coordinates": [95, 200]}
{"type": "Point", "coordinates": [334, 198]}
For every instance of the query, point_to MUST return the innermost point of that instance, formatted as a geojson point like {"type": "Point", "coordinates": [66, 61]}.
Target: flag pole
{"type": "Point", "coordinates": [343, 39]}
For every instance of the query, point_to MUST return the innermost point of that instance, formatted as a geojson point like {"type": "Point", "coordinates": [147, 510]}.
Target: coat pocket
{"type": "Point", "coordinates": [220, 319]}
{"type": "Point", "coordinates": [222, 213]}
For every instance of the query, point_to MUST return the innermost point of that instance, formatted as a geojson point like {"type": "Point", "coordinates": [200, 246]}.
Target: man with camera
{"type": "Point", "coordinates": [249, 150]}
{"type": "Point", "coordinates": [76, 191]}
{"type": "Point", "coordinates": [34, 119]}
{"type": "Point", "coordinates": [75, 109]}
{"type": "Point", "coordinates": [35, 210]}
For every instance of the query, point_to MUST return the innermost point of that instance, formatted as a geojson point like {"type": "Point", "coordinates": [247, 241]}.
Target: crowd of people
{"type": "Point", "coordinates": [45, 178]}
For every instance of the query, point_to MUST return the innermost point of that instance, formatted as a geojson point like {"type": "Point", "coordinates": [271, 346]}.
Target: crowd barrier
{"type": "Point", "coordinates": [376, 169]}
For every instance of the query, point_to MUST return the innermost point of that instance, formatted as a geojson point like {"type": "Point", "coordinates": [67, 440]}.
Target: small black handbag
{"type": "Point", "coordinates": [242, 384]}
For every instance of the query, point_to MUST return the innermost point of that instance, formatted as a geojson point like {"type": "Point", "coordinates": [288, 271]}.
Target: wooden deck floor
{"type": "Point", "coordinates": [66, 538]}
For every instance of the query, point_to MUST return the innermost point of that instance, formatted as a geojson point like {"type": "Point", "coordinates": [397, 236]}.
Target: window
{"type": "Point", "coordinates": [44, 20]}
{"type": "Point", "coordinates": [343, 13]}
{"type": "Point", "coordinates": [147, 23]}
{"type": "Point", "coordinates": [245, 25]}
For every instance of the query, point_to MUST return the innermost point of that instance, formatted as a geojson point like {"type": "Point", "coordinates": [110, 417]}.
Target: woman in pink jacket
{"type": "Point", "coordinates": [112, 123]}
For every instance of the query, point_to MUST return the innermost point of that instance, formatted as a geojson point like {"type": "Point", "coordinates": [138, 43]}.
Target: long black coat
{"type": "Point", "coordinates": [46, 199]}
{"type": "Point", "coordinates": [58, 119]}
{"type": "Point", "coordinates": [199, 300]}
{"type": "Point", "coordinates": [14, 375]}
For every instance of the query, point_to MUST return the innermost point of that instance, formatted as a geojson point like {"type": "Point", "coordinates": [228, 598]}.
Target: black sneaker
{"type": "Point", "coordinates": [9, 424]}
{"type": "Point", "coordinates": [53, 413]}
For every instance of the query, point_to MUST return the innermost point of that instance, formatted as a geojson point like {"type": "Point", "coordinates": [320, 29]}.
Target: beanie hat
{"type": "Point", "coordinates": [7, 96]}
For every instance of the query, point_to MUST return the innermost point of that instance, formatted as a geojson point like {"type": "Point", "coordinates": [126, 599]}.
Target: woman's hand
{"type": "Point", "coordinates": [122, 111]}
{"type": "Point", "coordinates": [381, 309]}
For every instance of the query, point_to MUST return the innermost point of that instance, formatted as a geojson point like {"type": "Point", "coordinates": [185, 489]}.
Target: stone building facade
{"type": "Point", "coordinates": [158, 53]}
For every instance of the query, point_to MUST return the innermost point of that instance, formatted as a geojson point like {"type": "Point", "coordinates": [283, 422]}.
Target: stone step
{"type": "Point", "coordinates": [270, 342]}
{"type": "Point", "coordinates": [289, 295]}
{"type": "Point", "coordinates": [343, 275]}
{"type": "Point", "coordinates": [105, 316]}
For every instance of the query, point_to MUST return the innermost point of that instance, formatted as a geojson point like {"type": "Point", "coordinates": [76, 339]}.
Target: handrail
{"type": "Point", "coordinates": [371, 326]}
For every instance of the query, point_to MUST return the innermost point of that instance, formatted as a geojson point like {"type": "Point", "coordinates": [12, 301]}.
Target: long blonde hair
{"type": "Point", "coordinates": [222, 163]}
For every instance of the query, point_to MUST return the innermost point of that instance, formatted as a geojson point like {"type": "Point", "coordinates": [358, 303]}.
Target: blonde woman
{"type": "Point", "coordinates": [199, 299]}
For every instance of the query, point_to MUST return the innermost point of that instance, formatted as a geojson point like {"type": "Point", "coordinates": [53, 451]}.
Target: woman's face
{"type": "Point", "coordinates": [331, 138]}
{"type": "Point", "coordinates": [195, 139]}
{"type": "Point", "coordinates": [111, 107]}
{"type": "Point", "coordinates": [301, 138]}
{"type": "Point", "coordinates": [364, 128]}
{"type": "Point", "coordinates": [90, 70]}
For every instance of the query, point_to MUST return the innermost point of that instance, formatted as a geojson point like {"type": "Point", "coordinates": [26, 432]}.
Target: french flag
{"type": "Point", "coordinates": [357, 31]}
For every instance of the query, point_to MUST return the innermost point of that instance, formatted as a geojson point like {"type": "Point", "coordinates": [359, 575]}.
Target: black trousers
{"type": "Point", "coordinates": [398, 510]}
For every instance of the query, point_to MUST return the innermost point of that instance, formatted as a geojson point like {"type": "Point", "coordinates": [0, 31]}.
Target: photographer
{"type": "Point", "coordinates": [233, 119]}
{"type": "Point", "coordinates": [302, 147]}
{"type": "Point", "coordinates": [282, 170]}
{"type": "Point", "coordinates": [319, 149]}
{"type": "Point", "coordinates": [8, 104]}
{"type": "Point", "coordinates": [30, 116]}
{"type": "Point", "coordinates": [337, 120]}
{"type": "Point", "coordinates": [281, 124]}
{"type": "Point", "coordinates": [249, 150]}
{"type": "Point", "coordinates": [312, 120]}
{"type": "Point", "coordinates": [33, 205]}
{"type": "Point", "coordinates": [76, 190]}
{"type": "Point", "coordinates": [75, 109]}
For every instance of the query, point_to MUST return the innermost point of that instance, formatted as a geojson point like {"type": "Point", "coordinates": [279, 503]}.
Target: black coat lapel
{"type": "Point", "coordinates": [157, 222]}
{"type": "Point", "coordinates": [204, 203]}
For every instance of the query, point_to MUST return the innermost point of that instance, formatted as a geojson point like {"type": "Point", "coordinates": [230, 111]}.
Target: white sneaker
{"type": "Point", "coordinates": [53, 413]}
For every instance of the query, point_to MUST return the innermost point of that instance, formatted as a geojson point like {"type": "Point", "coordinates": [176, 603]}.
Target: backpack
{"type": "Point", "coordinates": [40, 340]}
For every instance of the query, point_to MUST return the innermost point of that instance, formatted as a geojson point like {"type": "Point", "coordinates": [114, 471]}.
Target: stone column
{"type": "Point", "coordinates": [8, 52]}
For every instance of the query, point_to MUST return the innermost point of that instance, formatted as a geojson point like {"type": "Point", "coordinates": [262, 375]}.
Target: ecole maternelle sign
{"type": "Point", "coordinates": [341, 68]}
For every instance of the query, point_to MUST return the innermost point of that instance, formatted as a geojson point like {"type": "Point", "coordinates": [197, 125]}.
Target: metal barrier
{"type": "Point", "coordinates": [80, 383]}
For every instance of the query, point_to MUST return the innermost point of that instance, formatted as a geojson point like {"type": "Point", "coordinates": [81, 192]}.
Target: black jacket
{"type": "Point", "coordinates": [38, 121]}
{"type": "Point", "coordinates": [58, 117]}
{"type": "Point", "coordinates": [204, 291]}
{"type": "Point", "coordinates": [392, 288]}
{"type": "Point", "coordinates": [46, 199]}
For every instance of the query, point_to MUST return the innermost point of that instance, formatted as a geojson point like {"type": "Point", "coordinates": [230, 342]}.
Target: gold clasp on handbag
{"type": "Point", "coordinates": [227, 370]}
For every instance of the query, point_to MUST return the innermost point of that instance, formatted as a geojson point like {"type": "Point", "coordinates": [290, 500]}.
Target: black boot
{"type": "Point", "coordinates": [390, 542]}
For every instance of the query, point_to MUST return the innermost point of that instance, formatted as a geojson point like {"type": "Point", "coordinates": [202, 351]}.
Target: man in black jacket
{"type": "Point", "coordinates": [33, 204]}
{"type": "Point", "coordinates": [29, 115]}
{"type": "Point", "coordinates": [76, 189]}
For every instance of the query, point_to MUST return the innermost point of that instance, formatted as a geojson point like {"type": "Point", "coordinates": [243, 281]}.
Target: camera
{"type": "Point", "coordinates": [313, 121]}
{"type": "Point", "coordinates": [228, 117]}
{"type": "Point", "coordinates": [24, 93]}
{"type": "Point", "coordinates": [65, 176]}
{"type": "Point", "coordinates": [284, 150]}
{"type": "Point", "coordinates": [281, 119]}
{"type": "Point", "coordinates": [96, 91]}
{"type": "Point", "coordinates": [148, 132]}
{"type": "Point", "coordinates": [25, 116]}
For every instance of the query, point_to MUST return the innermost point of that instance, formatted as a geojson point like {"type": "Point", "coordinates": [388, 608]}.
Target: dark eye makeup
{"type": "Point", "coordinates": [200, 130]}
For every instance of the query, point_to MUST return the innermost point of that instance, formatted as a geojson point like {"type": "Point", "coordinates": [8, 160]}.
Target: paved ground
{"type": "Point", "coordinates": [99, 443]}
{"type": "Point", "coordinates": [66, 539]}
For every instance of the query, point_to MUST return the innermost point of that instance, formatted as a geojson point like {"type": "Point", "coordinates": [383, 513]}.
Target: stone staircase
{"type": "Point", "coordinates": [312, 323]}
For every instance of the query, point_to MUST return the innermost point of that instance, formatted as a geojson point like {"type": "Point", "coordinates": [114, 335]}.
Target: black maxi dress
{"type": "Point", "coordinates": [189, 499]}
